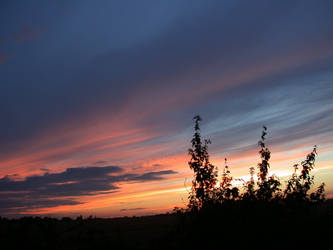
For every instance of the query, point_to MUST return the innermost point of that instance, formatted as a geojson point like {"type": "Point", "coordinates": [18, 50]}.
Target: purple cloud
{"type": "Point", "coordinates": [55, 189]}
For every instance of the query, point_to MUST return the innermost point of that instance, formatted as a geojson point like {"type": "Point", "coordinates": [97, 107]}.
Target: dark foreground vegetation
{"type": "Point", "coordinates": [260, 215]}
{"type": "Point", "coordinates": [240, 225]}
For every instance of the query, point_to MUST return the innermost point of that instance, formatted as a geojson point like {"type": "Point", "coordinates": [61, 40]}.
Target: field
{"type": "Point", "coordinates": [236, 226]}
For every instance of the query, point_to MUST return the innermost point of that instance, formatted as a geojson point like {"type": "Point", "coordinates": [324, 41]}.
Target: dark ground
{"type": "Point", "coordinates": [257, 226]}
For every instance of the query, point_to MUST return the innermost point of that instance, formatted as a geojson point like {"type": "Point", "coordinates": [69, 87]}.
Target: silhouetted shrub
{"type": "Point", "coordinates": [204, 172]}
{"type": "Point", "coordinates": [225, 192]}
{"type": "Point", "coordinates": [249, 186]}
{"type": "Point", "coordinates": [298, 186]}
{"type": "Point", "coordinates": [266, 189]}
{"type": "Point", "coordinates": [268, 186]}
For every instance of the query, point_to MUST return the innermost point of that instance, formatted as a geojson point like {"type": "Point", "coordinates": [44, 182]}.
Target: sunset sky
{"type": "Point", "coordinates": [97, 98]}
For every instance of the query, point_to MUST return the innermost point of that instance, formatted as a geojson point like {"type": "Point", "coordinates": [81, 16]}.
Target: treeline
{"type": "Point", "coordinates": [207, 190]}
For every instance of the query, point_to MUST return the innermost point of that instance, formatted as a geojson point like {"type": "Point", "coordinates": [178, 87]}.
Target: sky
{"type": "Point", "coordinates": [97, 98]}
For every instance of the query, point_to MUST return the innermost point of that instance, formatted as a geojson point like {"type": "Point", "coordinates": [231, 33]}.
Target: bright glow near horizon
{"type": "Point", "coordinates": [97, 99]}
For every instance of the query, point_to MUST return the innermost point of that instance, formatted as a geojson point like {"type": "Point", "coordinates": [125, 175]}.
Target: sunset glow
{"type": "Point", "coordinates": [97, 99]}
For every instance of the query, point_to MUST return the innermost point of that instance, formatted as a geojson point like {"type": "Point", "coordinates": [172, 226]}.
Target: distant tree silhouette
{"type": "Point", "coordinates": [205, 173]}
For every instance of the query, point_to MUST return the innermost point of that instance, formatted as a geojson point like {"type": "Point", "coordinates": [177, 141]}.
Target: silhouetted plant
{"type": "Point", "coordinates": [265, 155]}
{"type": "Point", "coordinates": [250, 193]}
{"type": "Point", "coordinates": [267, 186]}
{"type": "Point", "coordinates": [204, 190]}
{"type": "Point", "coordinates": [298, 186]}
{"type": "Point", "coordinates": [225, 191]}
{"type": "Point", "coordinates": [205, 174]}
{"type": "Point", "coordinates": [319, 195]}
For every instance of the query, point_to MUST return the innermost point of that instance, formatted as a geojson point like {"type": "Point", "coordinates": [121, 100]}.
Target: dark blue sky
{"type": "Point", "coordinates": [119, 81]}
